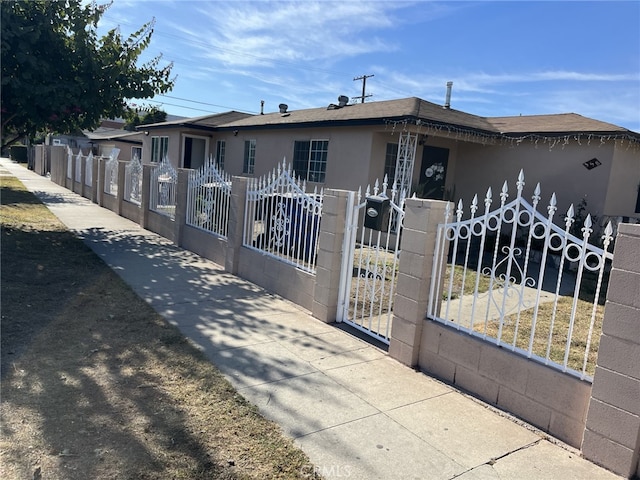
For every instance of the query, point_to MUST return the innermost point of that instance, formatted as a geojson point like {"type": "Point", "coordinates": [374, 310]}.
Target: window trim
{"type": "Point", "coordinates": [391, 164]}
{"type": "Point", "coordinates": [220, 153]}
{"type": "Point", "coordinates": [307, 172]}
{"type": "Point", "coordinates": [249, 157]}
{"type": "Point", "coordinates": [159, 139]}
{"type": "Point", "coordinates": [135, 149]}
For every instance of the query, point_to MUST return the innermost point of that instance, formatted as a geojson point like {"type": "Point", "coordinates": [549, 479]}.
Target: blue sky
{"type": "Point", "coordinates": [504, 58]}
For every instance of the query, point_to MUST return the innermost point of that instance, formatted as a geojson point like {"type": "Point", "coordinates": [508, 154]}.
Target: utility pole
{"type": "Point", "coordinates": [364, 85]}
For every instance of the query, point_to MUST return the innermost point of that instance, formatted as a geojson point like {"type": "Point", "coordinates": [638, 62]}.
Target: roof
{"type": "Point", "coordinates": [365, 114]}
{"type": "Point", "coordinates": [102, 133]}
{"type": "Point", "coordinates": [557, 123]}
{"type": "Point", "coordinates": [206, 122]}
{"type": "Point", "coordinates": [413, 110]}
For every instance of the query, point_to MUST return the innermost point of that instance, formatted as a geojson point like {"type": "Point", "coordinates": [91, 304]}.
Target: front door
{"type": "Point", "coordinates": [433, 173]}
{"type": "Point", "coordinates": [194, 152]}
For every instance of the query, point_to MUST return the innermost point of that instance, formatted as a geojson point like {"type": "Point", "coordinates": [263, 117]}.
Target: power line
{"type": "Point", "coordinates": [205, 103]}
{"type": "Point", "coordinates": [364, 85]}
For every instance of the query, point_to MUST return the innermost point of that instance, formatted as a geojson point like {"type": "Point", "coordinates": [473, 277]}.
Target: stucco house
{"type": "Point", "coordinates": [429, 149]}
{"type": "Point", "coordinates": [104, 141]}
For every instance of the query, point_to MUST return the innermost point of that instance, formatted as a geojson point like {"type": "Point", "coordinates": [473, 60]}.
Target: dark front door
{"type": "Point", "coordinates": [433, 173]}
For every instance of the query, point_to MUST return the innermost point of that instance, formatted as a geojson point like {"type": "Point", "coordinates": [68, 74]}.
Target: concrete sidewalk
{"type": "Point", "coordinates": [357, 413]}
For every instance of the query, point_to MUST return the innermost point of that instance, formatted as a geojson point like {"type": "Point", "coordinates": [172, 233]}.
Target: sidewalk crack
{"type": "Point", "coordinates": [492, 461]}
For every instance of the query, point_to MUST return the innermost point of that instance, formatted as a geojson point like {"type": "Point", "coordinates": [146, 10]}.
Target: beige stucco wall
{"type": "Point", "coordinates": [558, 169]}
{"type": "Point", "coordinates": [624, 182]}
{"type": "Point", "coordinates": [357, 155]}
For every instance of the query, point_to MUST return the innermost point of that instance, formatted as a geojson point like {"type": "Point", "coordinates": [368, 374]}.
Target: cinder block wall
{"type": "Point", "coordinates": [552, 401]}
{"type": "Point", "coordinates": [612, 436]}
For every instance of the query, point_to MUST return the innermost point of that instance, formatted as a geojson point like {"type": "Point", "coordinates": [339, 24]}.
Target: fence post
{"type": "Point", "coordinates": [120, 195]}
{"type": "Point", "coordinates": [236, 223]}
{"type": "Point", "coordinates": [414, 277]}
{"type": "Point", "coordinates": [100, 185]}
{"type": "Point", "coordinates": [181, 204]}
{"type": "Point", "coordinates": [83, 172]}
{"type": "Point", "coordinates": [612, 433]}
{"type": "Point", "coordinates": [38, 159]}
{"type": "Point", "coordinates": [144, 195]}
{"type": "Point", "coordinates": [330, 251]}
{"type": "Point", "coordinates": [95, 169]}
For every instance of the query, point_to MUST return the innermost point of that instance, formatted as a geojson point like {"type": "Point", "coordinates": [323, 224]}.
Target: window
{"type": "Point", "coordinates": [310, 159]}
{"type": "Point", "coordinates": [136, 152]}
{"type": "Point", "coordinates": [249, 156]}
{"type": "Point", "coordinates": [159, 147]}
{"type": "Point", "coordinates": [220, 148]}
{"type": "Point", "coordinates": [390, 160]}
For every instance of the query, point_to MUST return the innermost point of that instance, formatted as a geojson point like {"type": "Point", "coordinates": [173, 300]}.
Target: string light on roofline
{"type": "Point", "coordinates": [487, 138]}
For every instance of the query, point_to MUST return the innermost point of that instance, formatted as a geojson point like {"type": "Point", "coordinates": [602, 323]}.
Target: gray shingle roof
{"type": "Point", "coordinates": [557, 123]}
{"type": "Point", "coordinates": [366, 113]}
{"type": "Point", "coordinates": [412, 109]}
{"type": "Point", "coordinates": [203, 121]}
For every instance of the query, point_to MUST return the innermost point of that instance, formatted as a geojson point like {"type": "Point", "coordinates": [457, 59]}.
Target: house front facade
{"type": "Point", "coordinates": [429, 150]}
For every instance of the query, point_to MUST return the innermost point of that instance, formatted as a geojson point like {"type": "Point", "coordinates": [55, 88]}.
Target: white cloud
{"type": "Point", "coordinates": [247, 33]}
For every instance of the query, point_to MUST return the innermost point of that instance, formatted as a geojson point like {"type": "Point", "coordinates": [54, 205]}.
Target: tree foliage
{"type": "Point", "coordinates": [59, 76]}
{"type": "Point", "coordinates": [151, 115]}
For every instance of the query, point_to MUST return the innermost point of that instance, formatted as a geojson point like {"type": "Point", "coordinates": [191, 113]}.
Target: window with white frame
{"type": "Point", "coordinates": [159, 147]}
{"type": "Point", "coordinates": [249, 163]}
{"type": "Point", "coordinates": [136, 151]}
{"type": "Point", "coordinates": [220, 149]}
{"type": "Point", "coordinates": [310, 159]}
{"type": "Point", "coordinates": [390, 160]}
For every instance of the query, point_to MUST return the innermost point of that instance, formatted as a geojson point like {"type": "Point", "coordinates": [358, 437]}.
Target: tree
{"type": "Point", "coordinates": [151, 115]}
{"type": "Point", "coordinates": [58, 76]}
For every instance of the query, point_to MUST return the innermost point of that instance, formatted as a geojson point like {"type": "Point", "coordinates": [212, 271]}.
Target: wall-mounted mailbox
{"type": "Point", "coordinates": [377, 213]}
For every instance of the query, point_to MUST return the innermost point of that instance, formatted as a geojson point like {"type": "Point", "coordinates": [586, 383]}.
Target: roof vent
{"type": "Point", "coordinates": [343, 100]}
{"type": "Point", "coordinates": [283, 107]}
{"type": "Point", "coordinates": [447, 102]}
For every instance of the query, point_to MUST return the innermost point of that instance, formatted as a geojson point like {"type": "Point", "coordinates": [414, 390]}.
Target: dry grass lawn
{"type": "Point", "coordinates": [95, 385]}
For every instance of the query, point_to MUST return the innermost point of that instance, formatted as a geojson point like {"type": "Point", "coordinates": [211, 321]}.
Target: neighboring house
{"type": "Point", "coordinates": [430, 150]}
{"type": "Point", "coordinates": [103, 141]}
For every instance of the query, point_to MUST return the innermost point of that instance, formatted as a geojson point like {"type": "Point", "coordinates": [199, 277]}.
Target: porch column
{"type": "Point", "coordinates": [612, 434]}
{"type": "Point", "coordinates": [414, 277]}
{"type": "Point", "coordinates": [330, 253]}
{"type": "Point", "coordinates": [236, 223]}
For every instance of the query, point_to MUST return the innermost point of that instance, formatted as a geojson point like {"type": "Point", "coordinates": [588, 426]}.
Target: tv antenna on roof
{"type": "Point", "coordinates": [364, 85]}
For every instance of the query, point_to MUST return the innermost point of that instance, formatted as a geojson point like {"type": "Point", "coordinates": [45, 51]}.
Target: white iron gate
{"type": "Point", "coordinates": [512, 277]}
{"type": "Point", "coordinates": [370, 262]}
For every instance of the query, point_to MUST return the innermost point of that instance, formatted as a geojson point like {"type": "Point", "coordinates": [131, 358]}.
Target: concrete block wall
{"type": "Point", "coordinates": [552, 401]}
{"type": "Point", "coordinates": [414, 275]}
{"type": "Point", "coordinates": [604, 420]}
{"type": "Point", "coordinates": [612, 435]}
{"type": "Point", "coordinates": [330, 249]}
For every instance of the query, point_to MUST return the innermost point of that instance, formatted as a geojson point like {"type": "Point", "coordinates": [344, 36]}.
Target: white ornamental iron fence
{"type": "Point", "coordinates": [88, 171]}
{"type": "Point", "coordinates": [282, 220]}
{"type": "Point", "coordinates": [209, 198]}
{"type": "Point", "coordinates": [78, 166]}
{"type": "Point", "coordinates": [133, 181]}
{"type": "Point", "coordinates": [111, 173]}
{"type": "Point", "coordinates": [514, 278]}
{"type": "Point", "coordinates": [370, 263]}
{"type": "Point", "coordinates": [163, 188]}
